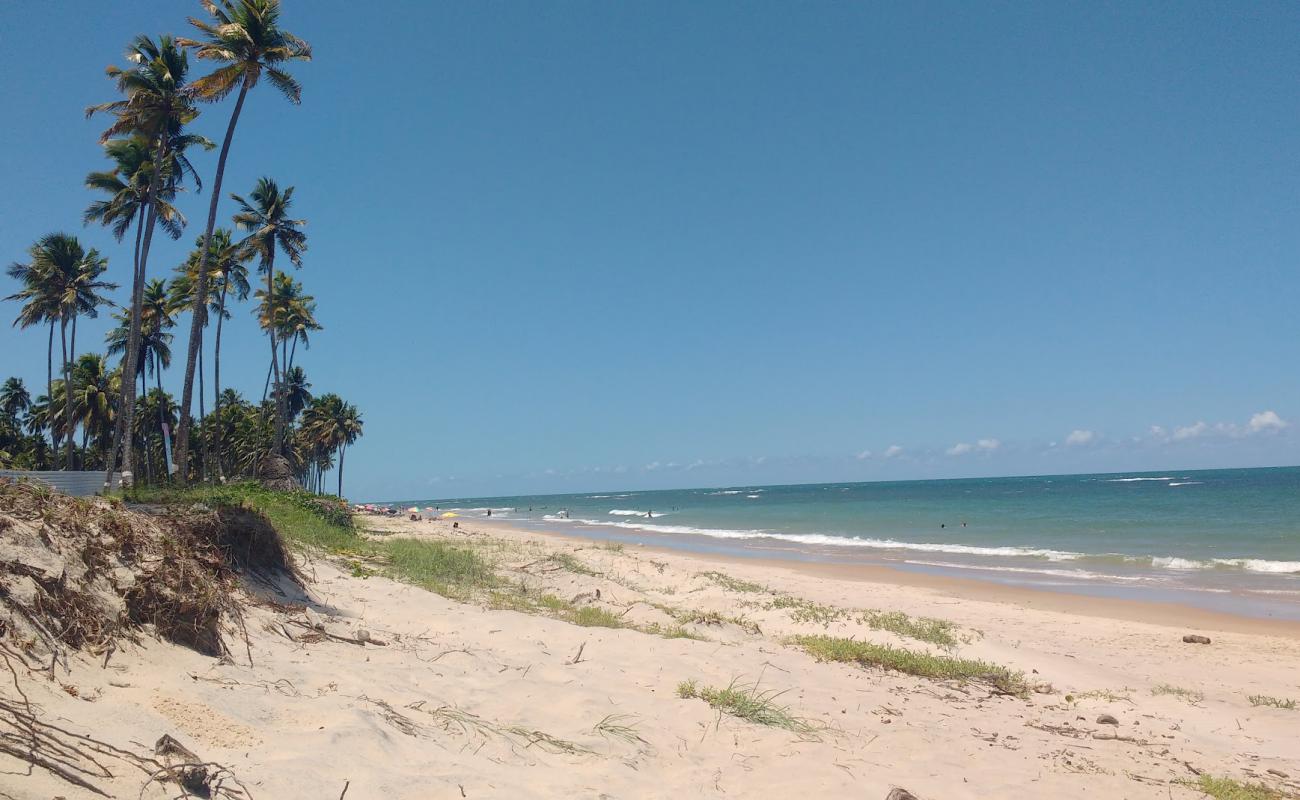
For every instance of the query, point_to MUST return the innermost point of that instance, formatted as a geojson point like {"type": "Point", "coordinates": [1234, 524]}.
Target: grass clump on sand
{"type": "Point", "coordinates": [593, 617]}
{"type": "Point", "coordinates": [1229, 789]}
{"type": "Point", "coordinates": [1189, 695]}
{"type": "Point", "coordinates": [938, 632]}
{"type": "Point", "coordinates": [747, 702]}
{"type": "Point", "coordinates": [1273, 702]}
{"type": "Point", "coordinates": [442, 568]}
{"type": "Point", "coordinates": [802, 610]}
{"type": "Point", "coordinates": [733, 584]}
{"type": "Point", "coordinates": [923, 665]}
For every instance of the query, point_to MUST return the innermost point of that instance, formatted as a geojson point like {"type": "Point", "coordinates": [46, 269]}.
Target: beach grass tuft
{"type": "Point", "coordinates": [1272, 702]}
{"type": "Point", "coordinates": [1230, 789]}
{"type": "Point", "coordinates": [1191, 696]}
{"type": "Point", "coordinates": [593, 617]}
{"type": "Point", "coordinates": [569, 563]}
{"type": "Point", "coordinates": [448, 570]}
{"type": "Point", "coordinates": [939, 632]}
{"type": "Point", "coordinates": [923, 665]}
{"type": "Point", "coordinates": [733, 584]}
{"type": "Point", "coordinates": [619, 726]}
{"type": "Point", "coordinates": [748, 702]}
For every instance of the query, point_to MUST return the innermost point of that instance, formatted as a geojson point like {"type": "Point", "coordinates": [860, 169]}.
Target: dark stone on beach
{"type": "Point", "coordinates": [899, 794]}
{"type": "Point", "coordinates": [1107, 719]}
{"type": "Point", "coordinates": [1196, 638]}
{"type": "Point", "coordinates": [361, 635]}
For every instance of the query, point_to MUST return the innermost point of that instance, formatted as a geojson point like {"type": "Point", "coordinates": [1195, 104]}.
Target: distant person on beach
{"type": "Point", "coordinates": [489, 512]}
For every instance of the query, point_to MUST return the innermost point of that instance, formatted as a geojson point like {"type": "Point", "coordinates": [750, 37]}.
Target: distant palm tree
{"type": "Point", "coordinates": [244, 36]}
{"type": "Point", "coordinates": [297, 392]}
{"type": "Point", "coordinates": [14, 398]}
{"type": "Point", "coordinates": [97, 390]}
{"type": "Point", "coordinates": [61, 281]}
{"type": "Point", "coordinates": [157, 105]}
{"type": "Point", "coordinates": [227, 276]}
{"type": "Point", "coordinates": [334, 424]}
{"type": "Point", "coordinates": [294, 314]}
{"type": "Point", "coordinates": [270, 228]}
{"type": "Point", "coordinates": [154, 343]}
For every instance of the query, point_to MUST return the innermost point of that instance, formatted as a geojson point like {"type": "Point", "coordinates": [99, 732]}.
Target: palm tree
{"type": "Point", "coordinates": [14, 398]}
{"type": "Point", "coordinates": [244, 36]}
{"type": "Point", "coordinates": [297, 392]}
{"type": "Point", "coordinates": [157, 105]}
{"type": "Point", "coordinates": [60, 283]}
{"type": "Point", "coordinates": [39, 306]}
{"type": "Point", "coordinates": [227, 275]}
{"type": "Point", "coordinates": [97, 390]}
{"type": "Point", "coordinates": [333, 424]}
{"type": "Point", "coordinates": [270, 228]}
{"type": "Point", "coordinates": [294, 315]}
{"type": "Point", "coordinates": [154, 353]}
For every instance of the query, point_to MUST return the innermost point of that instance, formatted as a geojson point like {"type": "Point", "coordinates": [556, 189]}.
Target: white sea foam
{"type": "Point", "coordinates": [626, 512]}
{"type": "Point", "coordinates": [727, 491]}
{"type": "Point", "coordinates": [1186, 483]}
{"type": "Point", "coordinates": [1080, 574]}
{"type": "Point", "coordinates": [1261, 565]}
{"type": "Point", "coordinates": [753, 496]}
{"type": "Point", "coordinates": [1131, 480]}
{"type": "Point", "coordinates": [1172, 562]}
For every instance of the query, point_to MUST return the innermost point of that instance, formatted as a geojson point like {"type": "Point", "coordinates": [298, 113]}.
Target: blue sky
{"type": "Point", "coordinates": [578, 246]}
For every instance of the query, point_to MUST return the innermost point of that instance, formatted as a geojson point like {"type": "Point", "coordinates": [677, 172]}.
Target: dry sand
{"type": "Point", "coordinates": [462, 701]}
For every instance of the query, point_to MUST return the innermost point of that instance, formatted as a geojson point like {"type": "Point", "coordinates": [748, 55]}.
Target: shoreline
{"type": "Point", "coordinates": [1168, 614]}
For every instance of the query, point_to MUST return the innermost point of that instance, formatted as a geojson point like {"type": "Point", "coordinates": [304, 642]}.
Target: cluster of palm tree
{"type": "Point", "coordinates": [100, 411]}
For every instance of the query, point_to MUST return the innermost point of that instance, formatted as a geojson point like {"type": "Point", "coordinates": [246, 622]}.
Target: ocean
{"type": "Point", "coordinates": [1220, 539]}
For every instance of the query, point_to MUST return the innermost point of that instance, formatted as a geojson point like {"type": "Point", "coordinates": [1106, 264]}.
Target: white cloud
{"type": "Point", "coordinates": [893, 451]}
{"type": "Point", "coordinates": [1190, 431]}
{"type": "Point", "coordinates": [1079, 437]}
{"type": "Point", "coordinates": [652, 466]}
{"type": "Point", "coordinates": [864, 455]}
{"type": "Point", "coordinates": [1266, 421]}
{"type": "Point", "coordinates": [985, 445]}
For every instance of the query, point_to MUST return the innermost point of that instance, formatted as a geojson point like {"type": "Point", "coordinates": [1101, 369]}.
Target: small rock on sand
{"type": "Point", "coordinates": [899, 794]}
{"type": "Point", "coordinates": [362, 635]}
{"type": "Point", "coordinates": [1196, 638]}
{"type": "Point", "coordinates": [1107, 719]}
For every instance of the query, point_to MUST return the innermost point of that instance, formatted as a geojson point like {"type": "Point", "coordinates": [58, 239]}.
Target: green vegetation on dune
{"type": "Point", "coordinates": [1229, 789]}
{"type": "Point", "coordinates": [923, 665]}
{"type": "Point", "coordinates": [747, 702]}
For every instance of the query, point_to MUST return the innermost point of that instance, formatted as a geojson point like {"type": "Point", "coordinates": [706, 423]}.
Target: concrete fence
{"type": "Point", "coordinates": [78, 483]}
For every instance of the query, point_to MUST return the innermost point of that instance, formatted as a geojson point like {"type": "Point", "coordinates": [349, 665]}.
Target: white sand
{"type": "Point", "coordinates": [452, 705]}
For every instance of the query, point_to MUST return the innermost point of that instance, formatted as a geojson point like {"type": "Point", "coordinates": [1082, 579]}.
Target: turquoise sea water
{"type": "Point", "coordinates": [1227, 539]}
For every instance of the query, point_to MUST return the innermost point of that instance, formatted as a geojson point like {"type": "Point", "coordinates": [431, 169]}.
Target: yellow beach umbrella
{"type": "Point", "coordinates": [449, 515]}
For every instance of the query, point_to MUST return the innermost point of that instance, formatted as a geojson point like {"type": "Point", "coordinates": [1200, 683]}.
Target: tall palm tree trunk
{"type": "Point", "coordinates": [342, 452]}
{"type": "Point", "coordinates": [162, 410]}
{"type": "Point", "coordinates": [276, 391]}
{"type": "Point", "coordinates": [67, 394]}
{"type": "Point", "coordinates": [72, 357]}
{"type": "Point", "coordinates": [126, 409]}
{"type": "Point", "coordinates": [201, 292]}
{"type": "Point", "coordinates": [216, 378]}
{"type": "Point", "coordinates": [145, 443]}
{"type": "Point", "coordinates": [203, 440]}
{"type": "Point", "coordinates": [49, 396]}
